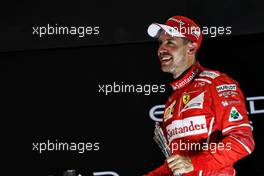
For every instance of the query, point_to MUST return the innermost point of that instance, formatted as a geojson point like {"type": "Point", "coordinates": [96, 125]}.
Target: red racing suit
{"type": "Point", "coordinates": [206, 119]}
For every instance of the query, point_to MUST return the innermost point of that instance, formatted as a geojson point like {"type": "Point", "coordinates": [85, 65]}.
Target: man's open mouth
{"type": "Point", "coordinates": [165, 59]}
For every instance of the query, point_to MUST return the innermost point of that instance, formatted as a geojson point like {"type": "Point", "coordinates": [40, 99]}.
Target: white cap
{"type": "Point", "coordinates": [154, 30]}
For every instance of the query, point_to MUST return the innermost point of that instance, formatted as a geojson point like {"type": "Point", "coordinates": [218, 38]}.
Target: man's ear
{"type": "Point", "coordinates": [192, 47]}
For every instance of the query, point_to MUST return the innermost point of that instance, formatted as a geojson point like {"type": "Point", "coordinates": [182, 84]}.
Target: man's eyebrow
{"type": "Point", "coordinates": [167, 40]}
{"type": "Point", "coordinates": [160, 40]}
{"type": "Point", "coordinates": [171, 40]}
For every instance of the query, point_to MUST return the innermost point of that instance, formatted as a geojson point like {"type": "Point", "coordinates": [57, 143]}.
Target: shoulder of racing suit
{"type": "Point", "coordinates": [214, 77]}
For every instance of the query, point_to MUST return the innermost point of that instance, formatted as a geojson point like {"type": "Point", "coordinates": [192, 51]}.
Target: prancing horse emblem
{"type": "Point", "coordinates": [186, 98]}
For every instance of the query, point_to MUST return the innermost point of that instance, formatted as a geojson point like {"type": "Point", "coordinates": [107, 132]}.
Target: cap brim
{"type": "Point", "coordinates": [155, 29]}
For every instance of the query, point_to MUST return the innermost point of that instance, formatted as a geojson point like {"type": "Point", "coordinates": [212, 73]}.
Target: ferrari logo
{"type": "Point", "coordinates": [186, 98]}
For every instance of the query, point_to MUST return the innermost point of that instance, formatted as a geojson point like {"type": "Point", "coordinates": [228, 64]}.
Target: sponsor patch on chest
{"type": "Point", "coordinates": [186, 127]}
{"type": "Point", "coordinates": [192, 103]}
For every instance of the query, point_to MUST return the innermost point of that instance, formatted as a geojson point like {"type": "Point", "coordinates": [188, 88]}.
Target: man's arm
{"type": "Point", "coordinates": [231, 118]}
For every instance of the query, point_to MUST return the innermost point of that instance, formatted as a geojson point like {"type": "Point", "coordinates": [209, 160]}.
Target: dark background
{"type": "Point", "coordinates": [50, 84]}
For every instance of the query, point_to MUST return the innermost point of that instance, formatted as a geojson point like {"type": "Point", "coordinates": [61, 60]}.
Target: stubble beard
{"type": "Point", "coordinates": [173, 67]}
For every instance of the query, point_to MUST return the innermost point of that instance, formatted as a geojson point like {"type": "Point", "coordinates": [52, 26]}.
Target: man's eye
{"type": "Point", "coordinates": [170, 43]}
{"type": "Point", "coordinates": [166, 42]}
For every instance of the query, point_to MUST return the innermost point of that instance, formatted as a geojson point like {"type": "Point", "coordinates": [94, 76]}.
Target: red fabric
{"type": "Point", "coordinates": [207, 107]}
{"type": "Point", "coordinates": [163, 170]}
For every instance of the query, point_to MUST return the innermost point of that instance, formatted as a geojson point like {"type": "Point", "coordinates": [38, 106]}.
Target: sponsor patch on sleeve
{"type": "Point", "coordinates": [225, 87]}
{"type": "Point", "coordinates": [228, 94]}
{"type": "Point", "coordinates": [234, 115]}
{"type": "Point", "coordinates": [210, 74]}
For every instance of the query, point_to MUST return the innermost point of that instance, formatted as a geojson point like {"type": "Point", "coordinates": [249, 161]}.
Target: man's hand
{"type": "Point", "coordinates": [180, 164]}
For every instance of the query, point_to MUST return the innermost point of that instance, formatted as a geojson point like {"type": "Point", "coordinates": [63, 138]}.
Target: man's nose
{"type": "Point", "coordinates": [162, 49]}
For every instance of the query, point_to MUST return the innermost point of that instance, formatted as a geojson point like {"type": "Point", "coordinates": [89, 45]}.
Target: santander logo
{"type": "Point", "coordinates": [186, 127]}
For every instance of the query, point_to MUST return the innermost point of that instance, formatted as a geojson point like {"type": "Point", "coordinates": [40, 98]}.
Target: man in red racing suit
{"type": "Point", "coordinates": [205, 120]}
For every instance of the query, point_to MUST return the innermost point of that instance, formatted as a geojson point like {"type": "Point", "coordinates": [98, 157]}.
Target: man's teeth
{"type": "Point", "coordinates": [166, 58]}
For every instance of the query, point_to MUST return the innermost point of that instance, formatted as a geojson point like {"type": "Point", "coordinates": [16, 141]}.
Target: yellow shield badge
{"type": "Point", "coordinates": [186, 98]}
